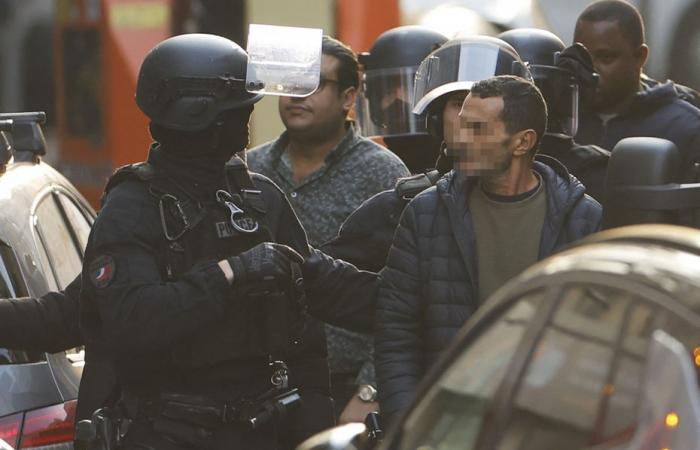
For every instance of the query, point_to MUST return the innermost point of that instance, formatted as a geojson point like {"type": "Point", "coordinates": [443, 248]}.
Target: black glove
{"type": "Point", "coordinates": [264, 262]}
{"type": "Point", "coordinates": [577, 60]}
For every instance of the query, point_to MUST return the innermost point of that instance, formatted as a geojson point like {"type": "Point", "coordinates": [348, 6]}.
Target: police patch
{"type": "Point", "coordinates": [102, 271]}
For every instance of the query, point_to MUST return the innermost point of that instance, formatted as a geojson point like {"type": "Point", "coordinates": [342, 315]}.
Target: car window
{"type": "Point", "coordinates": [687, 334]}
{"type": "Point", "coordinates": [580, 386]}
{"type": "Point", "coordinates": [80, 224]}
{"type": "Point", "coordinates": [450, 415]}
{"type": "Point", "coordinates": [65, 256]}
{"type": "Point", "coordinates": [618, 411]}
{"type": "Point", "coordinates": [79, 228]}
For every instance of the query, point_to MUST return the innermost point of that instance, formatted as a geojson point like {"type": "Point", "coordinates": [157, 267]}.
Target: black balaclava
{"type": "Point", "coordinates": [197, 159]}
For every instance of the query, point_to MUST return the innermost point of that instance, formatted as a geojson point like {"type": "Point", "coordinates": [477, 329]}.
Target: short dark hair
{"type": "Point", "coordinates": [348, 67]}
{"type": "Point", "coordinates": [524, 107]}
{"type": "Point", "coordinates": [625, 14]}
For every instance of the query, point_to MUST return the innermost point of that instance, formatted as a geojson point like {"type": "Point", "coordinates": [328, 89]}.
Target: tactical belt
{"type": "Point", "coordinates": [200, 411]}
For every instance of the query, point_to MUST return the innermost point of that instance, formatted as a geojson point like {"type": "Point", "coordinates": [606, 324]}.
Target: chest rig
{"type": "Point", "coordinates": [262, 321]}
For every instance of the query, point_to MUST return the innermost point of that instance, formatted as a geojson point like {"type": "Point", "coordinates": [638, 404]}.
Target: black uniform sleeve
{"type": "Point", "coordinates": [139, 310]}
{"type": "Point", "coordinates": [365, 236]}
{"type": "Point", "coordinates": [337, 292]}
{"type": "Point", "coordinates": [44, 324]}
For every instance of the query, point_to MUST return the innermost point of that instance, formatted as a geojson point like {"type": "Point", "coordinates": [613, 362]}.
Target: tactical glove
{"type": "Point", "coordinates": [265, 262]}
{"type": "Point", "coordinates": [577, 60]}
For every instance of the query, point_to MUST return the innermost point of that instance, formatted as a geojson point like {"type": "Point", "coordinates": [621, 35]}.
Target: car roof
{"type": "Point", "coordinates": [22, 186]}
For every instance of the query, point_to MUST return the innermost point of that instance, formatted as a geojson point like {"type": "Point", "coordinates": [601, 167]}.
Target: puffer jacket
{"type": "Point", "coordinates": [656, 111]}
{"type": "Point", "coordinates": [429, 285]}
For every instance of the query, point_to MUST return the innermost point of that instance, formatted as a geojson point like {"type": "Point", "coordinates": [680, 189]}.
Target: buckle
{"type": "Point", "coordinates": [238, 218]}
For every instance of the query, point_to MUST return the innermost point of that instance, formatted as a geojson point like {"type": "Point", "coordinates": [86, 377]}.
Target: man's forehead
{"type": "Point", "coordinates": [329, 65]}
{"type": "Point", "coordinates": [482, 108]}
{"type": "Point", "coordinates": [599, 33]}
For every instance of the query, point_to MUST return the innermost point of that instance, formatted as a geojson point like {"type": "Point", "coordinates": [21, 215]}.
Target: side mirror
{"type": "Point", "coordinates": [635, 164]}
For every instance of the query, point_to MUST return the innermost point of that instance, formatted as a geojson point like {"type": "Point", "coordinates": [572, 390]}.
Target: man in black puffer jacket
{"type": "Point", "coordinates": [498, 203]}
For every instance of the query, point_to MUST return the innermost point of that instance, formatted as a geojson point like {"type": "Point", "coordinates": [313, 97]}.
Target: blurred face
{"type": "Point", "coordinates": [483, 146]}
{"type": "Point", "coordinates": [322, 112]}
{"type": "Point", "coordinates": [450, 117]}
{"type": "Point", "coordinates": [618, 62]}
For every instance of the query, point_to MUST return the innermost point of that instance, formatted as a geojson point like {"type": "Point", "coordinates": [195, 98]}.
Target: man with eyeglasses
{"type": "Point", "coordinates": [327, 170]}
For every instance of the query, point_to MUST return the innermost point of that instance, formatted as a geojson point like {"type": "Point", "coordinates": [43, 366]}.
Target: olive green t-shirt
{"type": "Point", "coordinates": [507, 232]}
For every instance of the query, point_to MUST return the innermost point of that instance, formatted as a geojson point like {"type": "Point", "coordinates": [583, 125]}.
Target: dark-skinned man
{"type": "Point", "coordinates": [625, 106]}
{"type": "Point", "coordinates": [565, 76]}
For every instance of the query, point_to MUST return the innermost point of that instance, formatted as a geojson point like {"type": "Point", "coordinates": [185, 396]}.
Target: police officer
{"type": "Point", "coordinates": [565, 76]}
{"type": "Point", "coordinates": [386, 98]}
{"type": "Point", "coordinates": [195, 272]}
{"type": "Point", "coordinates": [365, 237]}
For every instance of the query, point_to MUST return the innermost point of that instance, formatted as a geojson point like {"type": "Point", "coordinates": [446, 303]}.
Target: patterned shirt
{"type": "Point", "coordinates": [356, 169]}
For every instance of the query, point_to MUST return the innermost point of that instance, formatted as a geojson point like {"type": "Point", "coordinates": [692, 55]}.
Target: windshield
{"type": "Point", "coordinates": [451, 414]}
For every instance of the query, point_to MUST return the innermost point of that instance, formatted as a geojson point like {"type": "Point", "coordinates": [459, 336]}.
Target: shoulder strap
{"type": "Point", "coordinates": [139, 171]}
{"type": "Point", "coordinates": [409, 187]}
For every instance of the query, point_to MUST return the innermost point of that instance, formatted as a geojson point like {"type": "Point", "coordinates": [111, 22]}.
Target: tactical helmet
{"type": "Point", "coordinates": [386, 98]}
{"type": "Point", "coordinates": [559, 72]}
{"type": "Point", "coordinates": [187, 80]}
{"type": "Point", "coordinates": [456, 66]}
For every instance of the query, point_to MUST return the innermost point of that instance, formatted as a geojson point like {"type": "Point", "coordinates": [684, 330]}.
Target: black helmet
{"type": "Point", "coordinates": [457, 65]}
{"type": "Point", "coordinates": [186, 81]}
{"type": "Point", "coordinates": [385, 102]}
{"type": "Point", "coordinates": [558, 71]}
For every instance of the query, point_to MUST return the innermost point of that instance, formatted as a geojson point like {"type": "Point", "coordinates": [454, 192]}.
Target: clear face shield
{"type": "Point", "coordinates": [457, 65]}
{"type": "Point", "coordinates": [283, 61]}
{"type": "Point", "coordinates": [385, 102]}
{"type": "Point", "coordinates": [561, 92]}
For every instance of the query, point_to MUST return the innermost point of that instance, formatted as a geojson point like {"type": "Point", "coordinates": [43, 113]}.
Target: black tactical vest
{"type": "Point", "coordinates": [261, 322]}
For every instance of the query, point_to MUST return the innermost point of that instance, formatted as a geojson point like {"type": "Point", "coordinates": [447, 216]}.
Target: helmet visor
{"type": "Point", "coordinates": [459, 64]}
{"type": "Point", "coordinates": [283, 60]}
{"type": "Point", "coordinates": [385, 103]}
{"type": "Point", "coordinates": [561, 92]}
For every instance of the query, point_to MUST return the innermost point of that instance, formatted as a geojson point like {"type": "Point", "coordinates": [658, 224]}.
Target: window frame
{"type": "Point", "coordinates": [54, 192]}
{"type": "Point", "coordinates": [650, 296]}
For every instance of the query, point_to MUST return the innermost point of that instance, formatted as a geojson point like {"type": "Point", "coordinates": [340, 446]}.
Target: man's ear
{"type": "Point", "coordinates": [524, 142]}
{"type": "Point", "coordinates": [642, 54]}
{"type": "Point", "coordinates": [349, 96]}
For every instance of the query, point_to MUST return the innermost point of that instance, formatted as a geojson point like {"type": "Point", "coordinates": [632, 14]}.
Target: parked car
{"type": "Point", "coordinates": [595, 348]}
{"type": "Point", "coordinates": [44, 226]}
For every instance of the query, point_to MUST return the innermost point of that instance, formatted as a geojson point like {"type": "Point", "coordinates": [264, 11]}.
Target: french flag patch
{"type": "Point", "coordinates": [102, 271]}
